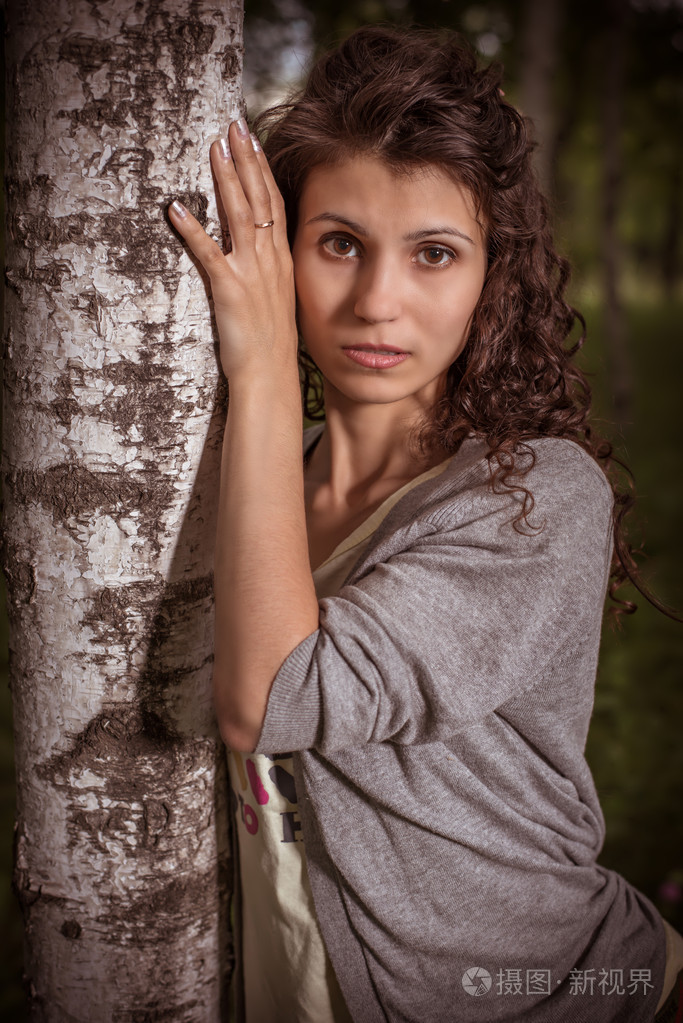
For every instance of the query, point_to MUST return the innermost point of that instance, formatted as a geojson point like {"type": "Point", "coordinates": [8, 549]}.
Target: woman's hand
{"type": "Point", "coordinates": [253, 285]}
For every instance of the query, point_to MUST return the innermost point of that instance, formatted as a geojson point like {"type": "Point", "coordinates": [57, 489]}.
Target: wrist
{"type": "Point", "coordinates": [265, 410]}
{"type": "Point", "coordinates": [266, 371]}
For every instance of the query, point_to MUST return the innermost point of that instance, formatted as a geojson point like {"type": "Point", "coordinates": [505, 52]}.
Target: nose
{"type": "Point", "coordinates": [378, 293]}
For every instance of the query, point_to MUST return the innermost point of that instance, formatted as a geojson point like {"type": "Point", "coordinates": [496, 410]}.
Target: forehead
{"type": "Point", "coordinates": [368, 190]}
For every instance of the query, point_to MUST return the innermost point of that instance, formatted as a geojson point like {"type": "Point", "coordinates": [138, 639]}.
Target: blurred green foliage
{"type": "Point", "coordinates": [634, 745]}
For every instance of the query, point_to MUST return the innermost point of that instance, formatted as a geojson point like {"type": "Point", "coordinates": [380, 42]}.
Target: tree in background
{"type": "Point", "coordinates": [113, 420]}
{"type": "Point", "coordinates": [539, 51]}
{"type": "Point", "coordinates": [614, 38]}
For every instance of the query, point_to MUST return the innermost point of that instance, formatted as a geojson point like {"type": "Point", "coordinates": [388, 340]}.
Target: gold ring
{"type": "Point", "coordinates": [267, 223]}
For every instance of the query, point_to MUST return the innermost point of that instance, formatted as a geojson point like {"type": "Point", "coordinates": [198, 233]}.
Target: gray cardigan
{"type": "Point", "coordinates": [440, 712]}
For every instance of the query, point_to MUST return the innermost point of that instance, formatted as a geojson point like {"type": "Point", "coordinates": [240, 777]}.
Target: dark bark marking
{"type": "Point", "coordinates": [194, 37]}
{"type": "Point", "coordinates": [152, 1014]}
{"type": "Point", "coordinates": [149, 395]}
{"type": "Point", "coordinates": [141, 245]}
{"type": "Point", "coordinates": [174, 899]}
{"type": "Point", "coordinates": [137, 51]}
{"type": "Point", "coordinates": [73, 494]}
{"type": "Point", "coordinates": [118, 727]}
{"type": "Point", "coordinates": [139, 758]}
{"type": "Point", "coordinates": [155, 617]}
{"type": "Point", "coordinates": [50, 278]}
{"type": "Point", "coordinates": [26, 196]}
{"type": "Point", "coordinates": [117, 612]}
{"type": "Point", "coordinates": [143, 764]}
{"type": "Point", "coordinates": [231, 64]}
{"type": "Point", "coordinates": [71, 929]}
{"type": "Point", "coordinates": [28, 894]}
{"type": "Point", "coordinates": [20, 574]}
{"type": "Point", "coordinates": [149, 390]}
{"type": "Point", "coordinates": [138, 245]}
{"type": "Point", "coordinates": [87, 53]}
{"type": "Point", "coordinates": [179, 905]}
{"type": "Point", "coordinates": [64, 409]}
{"type": "Point", "coordinates": [156, 818]}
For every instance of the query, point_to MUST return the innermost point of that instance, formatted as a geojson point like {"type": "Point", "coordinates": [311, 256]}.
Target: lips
{"type": "Point", "coordinates": [376, 356]}
{"type": "Point", "coordinates": [390, 349]}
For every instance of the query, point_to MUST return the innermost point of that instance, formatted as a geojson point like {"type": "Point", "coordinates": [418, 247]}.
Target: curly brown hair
{"type": "Point", "coordinates": [414, 97]}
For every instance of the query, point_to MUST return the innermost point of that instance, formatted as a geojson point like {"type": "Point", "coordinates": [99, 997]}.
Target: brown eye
{"type": "Point", "coordinates": [340, 246]}
{"type": "Point", "coordinates": [435, 255]}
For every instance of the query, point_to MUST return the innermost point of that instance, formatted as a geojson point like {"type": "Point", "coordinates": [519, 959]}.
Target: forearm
{"type": "Point", "coordinates": [265, 597]}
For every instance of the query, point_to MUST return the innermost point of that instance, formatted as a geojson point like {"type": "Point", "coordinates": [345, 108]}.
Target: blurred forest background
{"type": "Point", "coordinates": [603, 82]}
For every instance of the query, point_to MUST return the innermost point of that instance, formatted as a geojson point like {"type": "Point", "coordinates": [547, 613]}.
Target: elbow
{"type": "Point", "coordinates": [238, 736]}
{"type": "Point", "coordinates": [239, 726]}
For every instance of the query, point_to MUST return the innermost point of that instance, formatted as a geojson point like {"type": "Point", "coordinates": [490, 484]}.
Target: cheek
{"type": "Point", "coordinates": [460, 310]}
{"type": "Point", "coordinates": [321, 297]}
{"type": "Point", "coordinates": [312, 316]}
{"type": "Point", "coordinates": [305, 293]}
{"type": "Point", "coordinates": [307, 308]}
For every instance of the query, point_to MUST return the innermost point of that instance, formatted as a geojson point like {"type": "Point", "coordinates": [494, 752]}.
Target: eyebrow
{"type": "Point", "coordinates": [413, 236]}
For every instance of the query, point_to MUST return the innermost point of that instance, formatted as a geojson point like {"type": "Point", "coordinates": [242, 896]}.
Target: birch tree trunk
{"type": "Point", "coordinates": [114, 410]}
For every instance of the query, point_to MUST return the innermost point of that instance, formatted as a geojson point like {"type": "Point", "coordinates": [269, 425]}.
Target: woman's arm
{"type": "Point", "coordinates": [461, 613]}
{"type": "Point", "coordinates": [265, 597]}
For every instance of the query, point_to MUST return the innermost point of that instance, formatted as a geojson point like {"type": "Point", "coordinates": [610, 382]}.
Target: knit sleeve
{"type": "Point", "coordinates": [451, 627]}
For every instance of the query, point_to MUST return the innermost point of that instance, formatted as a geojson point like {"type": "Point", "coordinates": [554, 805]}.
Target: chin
{"type": "Point", "coordinates": [376, 391]}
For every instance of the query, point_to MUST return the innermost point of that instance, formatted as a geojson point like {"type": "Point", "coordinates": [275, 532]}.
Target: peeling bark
{"type": "Point", "coordinates": [114, 408]}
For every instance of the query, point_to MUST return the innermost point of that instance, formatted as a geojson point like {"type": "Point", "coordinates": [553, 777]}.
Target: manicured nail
{"type": "Point", "coordinates": [178, 208]}
{"type": "Point", "coordinates": [242, 127]}
{"type": "Point", "coordinates": [224, 148]}
{"type": "Point", "coordinates": [256, 144]}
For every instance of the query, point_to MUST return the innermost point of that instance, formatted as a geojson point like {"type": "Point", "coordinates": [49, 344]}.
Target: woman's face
{"type": "Point", "coordinates": [389, 268]}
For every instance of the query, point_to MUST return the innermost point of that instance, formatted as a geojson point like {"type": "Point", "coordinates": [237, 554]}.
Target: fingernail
{"type": "Point", "coordinates": [224, 148]}
{"type": "Point", "coordinates": [242, 127]}
{"type": "Point", "coordinates": [256, 144]}
{"type": "Point", "coordinates": [178, 208]}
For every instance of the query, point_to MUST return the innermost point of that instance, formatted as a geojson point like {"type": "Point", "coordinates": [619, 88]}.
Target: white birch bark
{"type": "Point", "coordinates": [113, 420]}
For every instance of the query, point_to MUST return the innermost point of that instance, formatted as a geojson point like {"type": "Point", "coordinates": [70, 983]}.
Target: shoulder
{"type": "Point", "coordinates": [566, 482]}
{"type": "Point", "coordinates": [563, 501]}
{"type": "Point", "coordinates": [460, 508]}
{"type": "Point", "coordinates": [559, 474]}
{"type": "Point", "coordinates": [565, 463]}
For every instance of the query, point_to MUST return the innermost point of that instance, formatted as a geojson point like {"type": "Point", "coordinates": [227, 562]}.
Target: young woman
{"type": "Point", "coordinates": [411, 606]}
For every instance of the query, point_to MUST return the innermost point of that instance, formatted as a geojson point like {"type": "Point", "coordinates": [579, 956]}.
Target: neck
{"type": "Point", "coordinates": [363, 446]}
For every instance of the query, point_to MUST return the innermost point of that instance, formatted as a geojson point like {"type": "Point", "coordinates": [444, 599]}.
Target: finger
{"type": "Point", "coordinates": [232, 197]}
{"type": "Point", "coordinates": [249, 173]}
{"type": "Point", "coordinates": [222, 215]}
{"type": "Point", "coordinates": [200, 244]}
{"type": "Point", "coordinates": [277, 205]}
{"type": "Point", "coordinates": [245, 156]}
